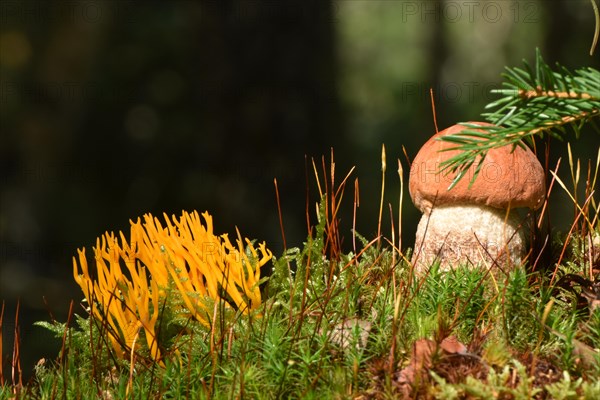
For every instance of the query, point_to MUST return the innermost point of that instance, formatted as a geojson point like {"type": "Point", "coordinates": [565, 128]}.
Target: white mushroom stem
{"type": "Point", "coordinates": [468, 234]}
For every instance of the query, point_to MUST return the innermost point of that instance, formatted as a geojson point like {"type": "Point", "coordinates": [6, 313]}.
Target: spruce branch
{"type": "Point", "coordinates": [535, 102]}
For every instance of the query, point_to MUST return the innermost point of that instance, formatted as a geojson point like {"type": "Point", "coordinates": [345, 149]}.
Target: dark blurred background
{"type": "Point", "coordinates": [111, 109]}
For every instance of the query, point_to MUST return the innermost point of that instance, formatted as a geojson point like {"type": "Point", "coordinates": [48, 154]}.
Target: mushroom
{"type": "Point", "coordinates": [474, 225]}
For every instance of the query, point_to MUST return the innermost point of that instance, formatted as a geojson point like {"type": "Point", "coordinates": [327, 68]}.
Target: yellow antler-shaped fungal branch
{"type": "Point", "coordinates": [124, 302]}
{"type": "Point", "coordinates": [185, 255]}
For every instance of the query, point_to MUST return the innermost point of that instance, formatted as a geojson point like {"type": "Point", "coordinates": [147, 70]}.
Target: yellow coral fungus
{"type": "Point", "coordinates": [126, 303]}
{"type": "Point", "coordinates": [185, 256]}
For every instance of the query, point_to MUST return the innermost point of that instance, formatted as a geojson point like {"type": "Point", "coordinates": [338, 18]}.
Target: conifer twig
{"type": "Point", "coordinates": [535, 101]}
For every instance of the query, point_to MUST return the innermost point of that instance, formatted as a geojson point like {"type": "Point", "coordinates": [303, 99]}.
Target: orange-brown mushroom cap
{"type": "Point", "coordinates": [509, 177]}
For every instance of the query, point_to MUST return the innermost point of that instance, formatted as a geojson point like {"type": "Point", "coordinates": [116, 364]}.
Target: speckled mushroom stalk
{"type": "Point", "coordinates": [477, 226]}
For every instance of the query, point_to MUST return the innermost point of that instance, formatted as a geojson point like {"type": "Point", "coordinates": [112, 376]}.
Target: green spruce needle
{"type": "Point", "coordinates": [536, 101]}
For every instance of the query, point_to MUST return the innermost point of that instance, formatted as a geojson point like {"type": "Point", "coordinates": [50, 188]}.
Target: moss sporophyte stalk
{"type": "Point", "coordinates": [134, 277]}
